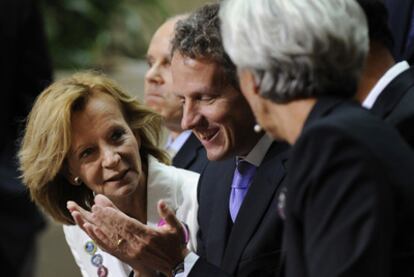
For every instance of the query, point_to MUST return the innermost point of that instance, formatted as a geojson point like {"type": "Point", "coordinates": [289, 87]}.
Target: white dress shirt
{"type": "Point", "coordinates": [173, 146]}
{"type": "Point", "coordinates": [391, 73]}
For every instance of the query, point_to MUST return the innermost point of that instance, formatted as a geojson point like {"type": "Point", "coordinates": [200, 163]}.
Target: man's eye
{"type": "Point", "coordinates": [166, 62]}
{"type": "Point", "coordinates": [150, 63]}
{"type": "Point", "coordinates": [207, 98]}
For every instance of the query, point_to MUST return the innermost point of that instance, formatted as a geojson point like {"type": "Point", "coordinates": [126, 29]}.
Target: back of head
{"type": "Point", "coordinates": [198, 37]}
{"type": "Point", "coordinates": [47, 139]}
{"type": "Point", "coordinates": [377, 17]}
{"type": "Point", "coordinates": [297, 49]}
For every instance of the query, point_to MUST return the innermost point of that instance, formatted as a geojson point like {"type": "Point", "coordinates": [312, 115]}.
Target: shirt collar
{"type": "Point", "coordinates": [391, 73]}
{"type": "Point", "coordinates": [178, 142]}
{"type": "Point", "coordinates": [257, 154]}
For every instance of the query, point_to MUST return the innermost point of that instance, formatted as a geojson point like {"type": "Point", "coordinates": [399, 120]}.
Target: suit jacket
{"type": "Point", "coordinates": [395, 104]}
{"type": "Point", "coordinates": [349, 207]}
{"type": "Point", "coordinates": [191, 156]}
{"type": "Point", "coordinates": [400, 13]}
{"type": "Point", "coordinates": [252, 245]}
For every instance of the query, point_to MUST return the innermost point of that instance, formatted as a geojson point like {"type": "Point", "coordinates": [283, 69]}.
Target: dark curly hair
{"type": "Point", "coordinates": [199, 37]}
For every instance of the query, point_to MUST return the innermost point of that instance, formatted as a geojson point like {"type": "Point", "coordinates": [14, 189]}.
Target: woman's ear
{"type": "Point", "coordinates": [74, 180]}
{"type": "Point", "coordinates": [249, 84]}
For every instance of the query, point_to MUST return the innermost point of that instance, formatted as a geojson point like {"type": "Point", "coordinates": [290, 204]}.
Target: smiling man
{"type": "Point", "coordinates": [235, 220]}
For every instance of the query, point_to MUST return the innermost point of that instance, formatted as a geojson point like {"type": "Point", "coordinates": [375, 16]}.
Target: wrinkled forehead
{"type": "Point", "coordinates": [196, 75]}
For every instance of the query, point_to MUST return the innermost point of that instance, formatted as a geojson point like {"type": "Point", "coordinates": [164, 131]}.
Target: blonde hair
{"type": "Point", "coordinates": [47, 139]}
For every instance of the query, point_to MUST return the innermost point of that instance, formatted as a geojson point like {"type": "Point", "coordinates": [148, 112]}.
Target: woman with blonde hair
{"type": "Point", "coordinates": [85, 136]}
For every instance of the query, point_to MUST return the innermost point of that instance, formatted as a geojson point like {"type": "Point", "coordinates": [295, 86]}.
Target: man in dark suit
{"type": "Point", "coordinates": [237, 236]}
{"type": "Point", "coordinates": [386, 87]}
{"type": "Point", "coordinates": [184, 148]}
{"type": "Point", "coordinates": [25, 71]}
{"type": "Point", "coordinates": [206, 82]}
{"type": "Point", "coordinates": [401, 25]}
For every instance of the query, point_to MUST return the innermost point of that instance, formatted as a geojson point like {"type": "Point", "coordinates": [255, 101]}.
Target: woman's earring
{"type": "Point", "coordinates": [257, 128]}
{"type": "Point", "coordinates": [77, 181]}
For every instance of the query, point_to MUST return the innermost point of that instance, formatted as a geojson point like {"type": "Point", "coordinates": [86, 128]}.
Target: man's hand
{"type": "Point", "coordinates": [131, 241]}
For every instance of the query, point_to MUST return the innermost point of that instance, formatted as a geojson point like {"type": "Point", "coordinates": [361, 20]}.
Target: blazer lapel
{"type": "Point", "coordinates": [262, 191]}
{"type": "Point", "coordinates": [187, 153]}
{"type": "Point", "coordinates": [219, 227]}
{"type": "Point", "coordinates": [393, 93]}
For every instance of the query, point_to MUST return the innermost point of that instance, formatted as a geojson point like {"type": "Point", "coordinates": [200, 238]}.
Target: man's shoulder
{"type": "Point", "coordinates": [191, 156]}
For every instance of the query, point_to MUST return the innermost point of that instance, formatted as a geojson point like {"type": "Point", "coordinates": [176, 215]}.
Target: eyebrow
{"type": "Point", "coordinates": [78, 149]}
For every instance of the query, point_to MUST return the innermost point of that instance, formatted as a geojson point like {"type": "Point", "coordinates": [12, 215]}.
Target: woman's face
{"type": "Point", "coordinates": [104, 151]}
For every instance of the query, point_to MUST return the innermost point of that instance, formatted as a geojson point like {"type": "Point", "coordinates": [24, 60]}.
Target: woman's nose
{"type": "Point", "coordinates": [111, 158]}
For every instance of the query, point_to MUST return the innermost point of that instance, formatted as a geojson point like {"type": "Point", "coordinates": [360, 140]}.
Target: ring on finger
{"type": "Point", "coordinates": [120, 241]}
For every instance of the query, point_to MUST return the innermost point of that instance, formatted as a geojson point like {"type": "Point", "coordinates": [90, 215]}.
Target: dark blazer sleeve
{"type": "Point", "coordinates": [399, 19]}
{"type": "Point", "coordinates": [203, 268]}
{"type": "Point", "coordinates": [339, 219]}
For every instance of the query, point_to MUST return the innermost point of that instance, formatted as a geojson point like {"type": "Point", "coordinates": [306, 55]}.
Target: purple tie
{"type": "Point", "coordinates": [243, 175]}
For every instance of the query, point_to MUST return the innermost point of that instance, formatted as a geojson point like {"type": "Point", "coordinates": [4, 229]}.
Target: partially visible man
{"type": "Point", "coordinates": [240, 230]}
{"type": "Point", "coordinates": [386, 87]}
{"type": "Point", "coordinates": [401, 22]}
{"type": "Point", "coordinates": [185, 149]}
{"type": "Point", "coordinates": [25, 70]}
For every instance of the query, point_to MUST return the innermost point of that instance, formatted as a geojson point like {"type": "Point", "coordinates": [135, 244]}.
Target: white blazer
{"type": "Point", "coordinates": [178, 187]}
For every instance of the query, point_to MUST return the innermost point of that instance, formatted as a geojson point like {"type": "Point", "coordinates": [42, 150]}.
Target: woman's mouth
{"type": "Point", "coordinates": [117, 177]}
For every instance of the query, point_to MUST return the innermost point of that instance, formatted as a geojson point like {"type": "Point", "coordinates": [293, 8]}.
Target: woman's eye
{"type": "Point", "coordinates": [117, 135]}
{"type": "Point", "coordinates": [85, 153]}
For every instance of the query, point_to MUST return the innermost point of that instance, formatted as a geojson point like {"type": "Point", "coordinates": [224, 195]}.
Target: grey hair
{"type": "Point", "coordinates": [295, 48]}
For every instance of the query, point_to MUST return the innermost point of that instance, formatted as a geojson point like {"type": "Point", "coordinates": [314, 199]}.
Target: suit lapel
{"type": "Point", "coordinates": [261, 193]}
{"type": "Point", "coordinates": [219, 227]}
{"type": "Point", "coordinates": [393, 93]}
{"type": "Point", "coordinates": [188, 152]}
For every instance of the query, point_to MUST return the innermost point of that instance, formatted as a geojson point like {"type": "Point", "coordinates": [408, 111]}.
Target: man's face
{"type": "Point", "coordinates": [213, 109]}
{"type": "Point", "coordinates": [158, 81]}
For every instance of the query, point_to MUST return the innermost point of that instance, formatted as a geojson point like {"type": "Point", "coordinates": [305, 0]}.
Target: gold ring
{"type": "Point", "coordinates": [119, 242]}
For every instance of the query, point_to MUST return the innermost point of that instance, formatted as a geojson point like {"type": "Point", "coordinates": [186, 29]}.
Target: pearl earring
{"type": "Point", "coordinates": [77, 180]}
{"type": "Point", "coordinates": [257, 128]}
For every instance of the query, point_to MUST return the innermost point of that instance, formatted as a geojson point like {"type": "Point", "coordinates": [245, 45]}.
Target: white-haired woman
{"type": "Point", "coordinates": [348, 199]}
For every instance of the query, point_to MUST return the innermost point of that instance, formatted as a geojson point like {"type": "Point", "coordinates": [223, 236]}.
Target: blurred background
{"type": "Point", "coordinates": [111, 36]}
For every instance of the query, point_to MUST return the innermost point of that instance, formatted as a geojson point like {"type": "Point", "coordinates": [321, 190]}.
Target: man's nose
{"type": "Point", "coordinates": [191, 116]}
{"type": "Point", "coordinates": [153, 75]}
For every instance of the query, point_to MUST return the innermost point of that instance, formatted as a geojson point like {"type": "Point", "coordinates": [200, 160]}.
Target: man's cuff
{"type": "Point", "coordinates": [189, 262]}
